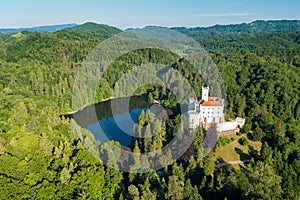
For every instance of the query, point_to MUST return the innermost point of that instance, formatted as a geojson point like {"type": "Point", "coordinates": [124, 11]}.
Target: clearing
{"type": "Point", "coordinates": [234, 151]}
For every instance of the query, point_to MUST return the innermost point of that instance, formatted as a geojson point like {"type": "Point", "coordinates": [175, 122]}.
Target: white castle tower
{"type": "Point", "coordinates": [205, 93]}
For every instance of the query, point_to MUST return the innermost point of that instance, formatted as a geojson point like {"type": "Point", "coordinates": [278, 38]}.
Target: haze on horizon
{"type": "Point", "coordinates": [134, 13]}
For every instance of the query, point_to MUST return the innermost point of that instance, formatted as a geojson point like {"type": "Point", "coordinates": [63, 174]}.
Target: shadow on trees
{"type": "Point", "coordinates": [242, 155]}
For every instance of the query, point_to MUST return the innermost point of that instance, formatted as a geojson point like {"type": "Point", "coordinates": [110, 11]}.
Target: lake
{"type": "Point", "coordinates": [114, 119]}
{"type": "Point", "coordinates": [118, 128]}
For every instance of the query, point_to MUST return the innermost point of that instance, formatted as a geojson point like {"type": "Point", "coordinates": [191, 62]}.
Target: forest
{"type": "Point", "coordinates": [42, 158]}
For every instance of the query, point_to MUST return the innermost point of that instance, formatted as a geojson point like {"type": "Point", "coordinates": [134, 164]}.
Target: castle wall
{"type": "Point", "coordinates": [226, 126]}
{"type": "Point", "coordinates": [194, 120]}
{"type": "Point", "coordinates": [211, 113]}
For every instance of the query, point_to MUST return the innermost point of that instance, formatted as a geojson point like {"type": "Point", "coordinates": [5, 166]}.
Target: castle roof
{"type": "Point", "coordinates": [212, 101]}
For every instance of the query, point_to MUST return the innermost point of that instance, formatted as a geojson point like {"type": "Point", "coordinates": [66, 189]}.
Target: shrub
{"type": "Point", "coordinates": [257, 134]}
{"type": "Point", "coordinates": [223, 141]}
{"type": "Point", "coordinates": [244, 141]}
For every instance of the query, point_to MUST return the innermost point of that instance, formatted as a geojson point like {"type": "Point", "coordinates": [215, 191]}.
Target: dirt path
{"type": "Point", "coordinates": [231, 163]}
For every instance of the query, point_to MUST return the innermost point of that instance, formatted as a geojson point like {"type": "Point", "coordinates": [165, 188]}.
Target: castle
{"type": "Point", "coordinates": [204, 110]}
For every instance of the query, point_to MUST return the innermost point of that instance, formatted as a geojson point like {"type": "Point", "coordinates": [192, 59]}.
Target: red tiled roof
{"type": "Point", "coordinates": [212, 101]}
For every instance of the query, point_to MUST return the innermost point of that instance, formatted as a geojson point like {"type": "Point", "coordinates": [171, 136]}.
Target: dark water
{"type": "Point", "coordinates": [118, 128]}
{"type": "Point", "coordinates": [117, 125]}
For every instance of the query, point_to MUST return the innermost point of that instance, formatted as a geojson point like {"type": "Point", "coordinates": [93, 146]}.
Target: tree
{"type": "Point", "coordinates": [209, 164]}
{"type": "Point", "coordinates": [2, 146]}
{"type": "Point", "coordinates": [147, 194]}
{"type": "Point", "coordinates": [147, 138]}
{"type": "Point", "coordinates": [188, 190]}
{"type": "Point", "coordinates": [259, 181]}
{"type": "Point", "coordinates": [257, 134]}
{"type": "Point", "coordinates": [113, 178]}
{"type": "Point", "coordinates": [175, 188]}
{"type": "Point", "coordinates": [198, 141]}
{"type": "Point", "coordinates": [280, 128]}
{"type": "Point", "coordinates": [240, 103]}
{"type": "Point", "coordinates": [196, 195]}
{"type": "Point", "coordinates": [134, 192]}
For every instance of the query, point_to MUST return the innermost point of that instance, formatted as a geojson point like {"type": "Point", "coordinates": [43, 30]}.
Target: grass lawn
{"type": "Point", "coordinates": [235, 151]}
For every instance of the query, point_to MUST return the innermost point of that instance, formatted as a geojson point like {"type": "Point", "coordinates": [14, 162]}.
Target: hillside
{"type": "Point", "coordinates": [259, 26]}
{"type": "Point", "coordinates": [42, 29]}
{"type": "Point", "coordinates": [72, 44]}
{"type": "Point", "coordinates": [91, 32]}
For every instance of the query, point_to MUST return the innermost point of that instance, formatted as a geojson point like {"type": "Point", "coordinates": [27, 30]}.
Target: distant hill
{"type": "Point", "coordinates": [72, 44]}
{"type": "Point", "coordinates": [77, 41]}
{"type": "Point", "coordinates": [91, 26]}
{"type": "Point", "coordinates": [89, 31]}
{"type": "Point", "coordinates": [259, 26]}
{"type": "Point", "coordinates": [43, 29]}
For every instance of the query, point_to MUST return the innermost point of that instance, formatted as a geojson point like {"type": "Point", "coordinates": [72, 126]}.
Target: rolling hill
{"type": "Point", "coordinates": [42, 29]}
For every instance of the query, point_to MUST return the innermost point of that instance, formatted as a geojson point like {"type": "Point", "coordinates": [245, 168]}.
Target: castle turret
{"type": "Point", "coordinates": [205, 92]}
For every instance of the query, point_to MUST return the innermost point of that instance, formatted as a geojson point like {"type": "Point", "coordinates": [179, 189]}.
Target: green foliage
{"type": "Point", "coordinates": [209, 164]}
{"type": "Point", "coordinates": [258, 181]}
{"type": "Point", "coordinates": [149, 132]}
{"type": "Point", "coordinates": [40, 161]}
{"type": "Point", "coordinates": [257, 134]}
{"type": "Point", "coordinates": [175, 188]}
{"type": "Point", "coordinates": [223, 142]}
{"type": "Point", "coordinates": [244, 141]}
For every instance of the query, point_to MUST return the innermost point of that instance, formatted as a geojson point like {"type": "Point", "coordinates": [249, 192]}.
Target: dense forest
{"type": "Point", "coordinates": [42, 158]}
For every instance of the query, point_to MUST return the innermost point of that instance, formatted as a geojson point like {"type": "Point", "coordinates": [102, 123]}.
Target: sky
{"type": "Point", "coordinates": [140, 13]}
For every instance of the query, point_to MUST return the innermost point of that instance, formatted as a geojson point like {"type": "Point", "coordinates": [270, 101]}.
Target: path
{"type": "Point", "coordinates": [231, 163]}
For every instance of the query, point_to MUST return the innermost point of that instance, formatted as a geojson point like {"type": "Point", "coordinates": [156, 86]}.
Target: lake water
{"type": "Point", "coordinates": [118, 128]}
{"type": "Point", "coordinates": [117, 125]}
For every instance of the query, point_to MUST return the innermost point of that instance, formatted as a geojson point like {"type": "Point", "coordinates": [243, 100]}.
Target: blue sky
{"type": "Point", "coordinates": [140, 13]}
